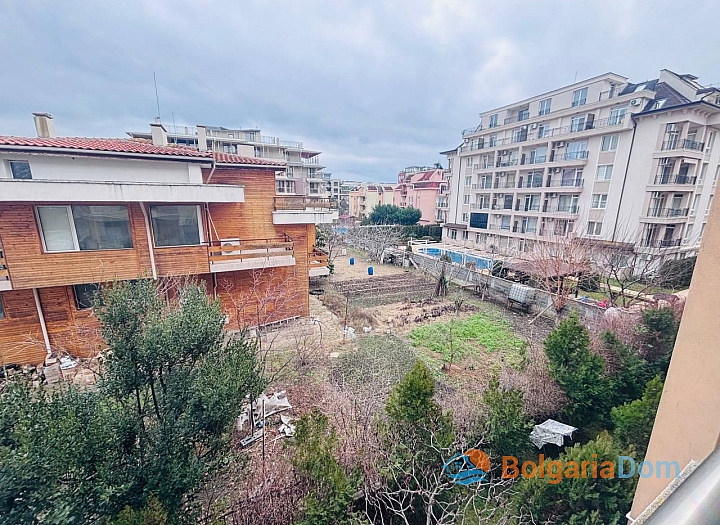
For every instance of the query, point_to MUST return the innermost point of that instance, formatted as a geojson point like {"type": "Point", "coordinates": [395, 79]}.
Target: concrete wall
{"type": "Point", "coordinates": [498, 289]}
{"type": "Point", "coordinates": [49, 167]}
{"type": "Point", "coordinates": [687, 425]}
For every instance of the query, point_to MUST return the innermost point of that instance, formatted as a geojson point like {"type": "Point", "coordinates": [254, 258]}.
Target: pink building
{"type": "Point", "coordinates": [420, 187]}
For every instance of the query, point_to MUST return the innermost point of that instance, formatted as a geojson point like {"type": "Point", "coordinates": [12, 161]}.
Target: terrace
{"type": "Point", "coordinates": [231, 255]}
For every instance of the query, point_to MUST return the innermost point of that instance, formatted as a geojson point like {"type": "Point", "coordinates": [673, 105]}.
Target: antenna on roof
{"type": "Point", "coordinates": [573, 83]}
{"type": "Point", "coordinates": [157, 99]}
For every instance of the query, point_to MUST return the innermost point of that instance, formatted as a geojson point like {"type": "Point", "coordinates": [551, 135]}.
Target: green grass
{"type": "Point", "coordinates": [461, 338]}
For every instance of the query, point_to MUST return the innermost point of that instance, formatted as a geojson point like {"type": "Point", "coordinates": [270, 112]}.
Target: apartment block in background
{"type": "Point", "coordinates": [303, 175]}
{"type": "Point", "coordinates": [365, 196]}
{"type": "Point", "coordinates": [422, 187]}
{"type": "Point", "coordinates": [79, 212]}
{"type": "Point", "coordinates": [602, 159]}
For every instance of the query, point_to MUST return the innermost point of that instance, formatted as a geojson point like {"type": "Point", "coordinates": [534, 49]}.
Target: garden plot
{"type": "Point", "coordinates": [376, 291]}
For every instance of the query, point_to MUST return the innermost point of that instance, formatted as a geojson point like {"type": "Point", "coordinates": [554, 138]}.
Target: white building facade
{"type": "Point", "coordinates": [602, 159]}
{"type": "Point", "coordinates": [304, 175]}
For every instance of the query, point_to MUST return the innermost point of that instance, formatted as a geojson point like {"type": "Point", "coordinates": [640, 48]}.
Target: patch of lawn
{"type": "Point", "coordinates": [460, 338]}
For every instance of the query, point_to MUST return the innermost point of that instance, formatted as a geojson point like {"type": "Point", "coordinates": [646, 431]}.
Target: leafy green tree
{"type": "Point", "coordinates": [630, 371]}
{"type": "Point", "coordinates": [658, 332]}
{"type": "Point", "coordinates": [329, 500]}
{"type": "Point", "coordinates": [634, 421]}
{"type": "Point", "coordinates": [507, 427]}
{"type": "Point", "coordinates": [408, 216]}
{"type": "Point", "coordinates": [578, 371]}
{"type": "Point", "coordinates": [592, 500]}
{"type": "Point", "coordinates": [156, 426]}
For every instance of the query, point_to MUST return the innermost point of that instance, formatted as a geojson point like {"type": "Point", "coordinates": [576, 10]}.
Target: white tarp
{"type": "Point", "coordinates": [551, 431]}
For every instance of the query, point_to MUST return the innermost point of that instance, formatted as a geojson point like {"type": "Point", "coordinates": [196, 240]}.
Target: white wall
{"type": "Point", "coordinates": [52, 167]}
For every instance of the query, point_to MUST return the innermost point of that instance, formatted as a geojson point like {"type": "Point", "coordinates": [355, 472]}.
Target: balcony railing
{"type": "Point", "coordinates": [317, 259]}
{"type": "Point", "coordinates": [537, 159]}
{"type": "Point", "coordinates": [482, 186]}
{"type": "Point", "coordinates": [298, 202]}
{"type": "Point", "coordinates": [565, 208]}
{"type": "Point", "coordinates": [527, 207]}
{"type": "Point", "coordinates": [524, 229]}
{"type": "Point", "coordinates": [243, 250]}
{"type": "Point", "coordinates": [506, 163]}
{"type": "Point", "coordinates": [501, 207]}
{"type": "Point", "coordinates": [682, 144]}
{"type": "Point", "coordinates": [534, 183]}
{"type": "Point", "coordinates": [574, 183]}
{"type": "Point", "coordinates": [571, 155]}
{"type": "Point", "coordinates": [677, 179]}
{"type": "Point", "coordinates": [667, 212]}
{"type": "Point", "coordinates": [663, 243]}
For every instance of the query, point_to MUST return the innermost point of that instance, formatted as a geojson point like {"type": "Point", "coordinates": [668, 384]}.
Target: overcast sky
{"type": "Point", "coordinates": [374, 85]}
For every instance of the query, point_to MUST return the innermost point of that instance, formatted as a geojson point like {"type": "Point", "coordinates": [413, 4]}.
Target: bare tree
{"type": "Point", "coordinates": [552, 261]}
{"type": "Point", "coordinates": [631, 265]}
{"type": "Point", "coordinates": [329, 241]}
{"type": "Point", "coordinates": [375, 239]}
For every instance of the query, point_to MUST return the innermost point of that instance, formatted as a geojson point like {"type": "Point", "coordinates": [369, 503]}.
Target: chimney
{"type": "Point", "coordinates": [202, 137]}
{"type": "Point", "coordinates": [159, 134]}
{"type": "Point", "coordinates": [44, 125]}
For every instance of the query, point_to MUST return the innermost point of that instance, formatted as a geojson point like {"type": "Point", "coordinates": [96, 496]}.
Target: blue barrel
{"type": "Point", "coordinates": [352, 261]}
{"type": "Point", "coordinates": [370, 270]}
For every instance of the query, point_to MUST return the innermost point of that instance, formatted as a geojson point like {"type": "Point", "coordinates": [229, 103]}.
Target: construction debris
{"type": "Point", "coordinates": [258, 412]}
{"type": "Point", "coordinates": [286, 428]}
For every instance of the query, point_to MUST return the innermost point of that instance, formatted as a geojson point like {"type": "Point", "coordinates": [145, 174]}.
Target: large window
{"type": "Point", "coordinates": [609, 143]}
{"type": "Point", "coordinates": [493, 121]}
{"type": "Point", "coordinates": [545, 106]}
{"type": "Point", "coordinates": [84, 295]}
{"type": "Point", "coordinates": [579, 97]}
{"type": "Point", "coordinates": [20, 169]}
{"type": "Point", "coordinates": [176, 225]}
{"type": "Point", "coordinates": [81, 228]}
{"type": "Point", "coordinates": [604, 172]}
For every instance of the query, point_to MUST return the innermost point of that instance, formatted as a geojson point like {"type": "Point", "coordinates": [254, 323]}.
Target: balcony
{"type": "Point", "coordinates": [232, 255]}
{"type": "Point", "coordinates": [525, 229]}
{"type": "Point", "coordinates": [534, 159]}
{"type": "Point", "coordinates": [572, 209]}
{"type": "Point", "coordinates": [482, 186]}
{"type": "Point", "coordinates": [667, 212]}
{"type": "Point", "coordinates": [527, 207]}
{"type": "Point", "coordinates": [573, 183]}
{"type": "Point", "coordinates": [569, 155]}
{"type": "Point", "coordinates": [531, 183]}
{"type": "Point", "coordinates": [304, 210]}
{"type": "Point", "coordinates": [5, 283]}
{"type": "Point", "coordinates": [677, 179]}
{"type": "Point", "coordinates": [664, 243]}
{"type": "Point", "coordinates": [670, 145]}
{"type": "Point", "coordinates": [500, 207]}
{"type": "Point", "coordinates": [318, 264]}
{"type": "Point", "coordinates": [507, 163]}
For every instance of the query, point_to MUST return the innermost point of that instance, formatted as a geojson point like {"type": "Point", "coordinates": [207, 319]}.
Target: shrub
{"type": "Point", "coordinates": [677, 273]}
{"type": "Point", "coordinates": [507, 427]}
{"type": "Point", "coordinates": [634, 421]}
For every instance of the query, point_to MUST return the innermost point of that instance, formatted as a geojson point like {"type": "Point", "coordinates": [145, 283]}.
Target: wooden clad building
{"type": "Point", "coordinates": [76, 213]}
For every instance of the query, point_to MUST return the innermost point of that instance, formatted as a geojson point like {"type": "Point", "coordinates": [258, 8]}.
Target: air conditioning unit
{"type": "Point", "coordinates": [498, 215]}
{"type": "Point", "coordinates": [503, 152]}
{"type": "Point", "coordinates": [552, 195]}
{"type": "Point", "coordinates": [556, 170]}
{"type": "Point", "coordinates": [227, 243]}
{"type": "Point", "coordinates": [560, 144]}
{"type": "Point", "coordinates": [636, 102]}
{"type": "Point", "coordinates": [533, 126]}
{"type": "Point", "coordinates": [500, 195]}
{"type": "Point", "coordinates": [523, 127]}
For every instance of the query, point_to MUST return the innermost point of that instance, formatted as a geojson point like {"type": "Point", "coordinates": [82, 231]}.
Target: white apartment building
{"type": "Point", "coordinates": [603, 158]}
{"type": "Point", "coordinates": [304, 174]}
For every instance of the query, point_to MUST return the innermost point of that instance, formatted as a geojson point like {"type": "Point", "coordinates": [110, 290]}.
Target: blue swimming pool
{"type": "Point", "coordinates": [481, 263]}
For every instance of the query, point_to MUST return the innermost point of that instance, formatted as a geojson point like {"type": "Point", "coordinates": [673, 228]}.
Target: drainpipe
{"type": "Point", "coordinates": [43, 326]}
{"type": "Point", "coordinates": [148, 231]}
{"type": "Point", "coordinates": [214, 165]}
{"type": "Point", "coordinates": [627, 169]}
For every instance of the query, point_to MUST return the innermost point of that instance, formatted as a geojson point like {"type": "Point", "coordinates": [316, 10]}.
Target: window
{"type": "Point", "coordinates": [594, 228]}
{"type": "Point", "coordinates": [543, 131]}
{"type": "Point", "coordinates": [709, 142]}
{"type": "Point", "coordinates": [545, 106]}
{"type": "Point", "coordinates": [577, 124]}
{"type": "Point", "coordinates": [466, 199]}
{"type": "Point", "coordinates": [465, 217]}
{"type": "Point", "coordinates": [468, 162]}
{"type": "Point", "coordinates": [710, 201]}
{"type": "Point", "coordinates": [176, 225]}
{"type": "Point", "coordinates": [579, 97]}
{"type": "Point", "coordinates": [717, 173]}
{"type": "Point", "coordinates": [599, 201]}
{"type": "Point", "coordinates": [703, 173]}
{"type": "Point", "coordinates": [695, 203]}
{"type": "Point", "coordinates": [84, 228]}
{"type": "Point", "coordinates": [2, 308]}
{"type": "Point", "coordinates": [639, 87]}
{"type": "Point", "coordinates": [609, 143]}
{"type": "Point", "coordinates": [84, 295]}
{"type": "Point", "coordinates": [290, 171]}
{"type": "Point", "coordinates": [285, 186]}
{"type": "Point", "coordinates": [20, 169]}
{"type": "Point", "coordinates": [453, 234]}
{"type": "Point", "coordinates": [688, 232]}
{"type": "Point", "coordinates": [616, 116]}
{"type": "Point", "coordinates": [604, 172]}
{"type": "Point", "coordinates": [468, 181]}
{"type": "Point", "coordinates": [523, 114]}
{"type": "Point", "coordinates": [465, 235]}
{"type": "Point", "coordinates": [493, 140]}
{"type": "Point", "coordinates": [493, 121]}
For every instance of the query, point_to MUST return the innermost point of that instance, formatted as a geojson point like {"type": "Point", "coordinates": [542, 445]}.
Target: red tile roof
{"type": "Point", "coordinates": [129, 146]}
{"type": "Point", "coordinates": [231, 158]}
{"type": "Point", "coordinates": [100, 145]}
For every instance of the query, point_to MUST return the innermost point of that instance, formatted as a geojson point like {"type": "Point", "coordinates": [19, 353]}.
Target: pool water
{"type": "Point", "coordinates": [481, 263]}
